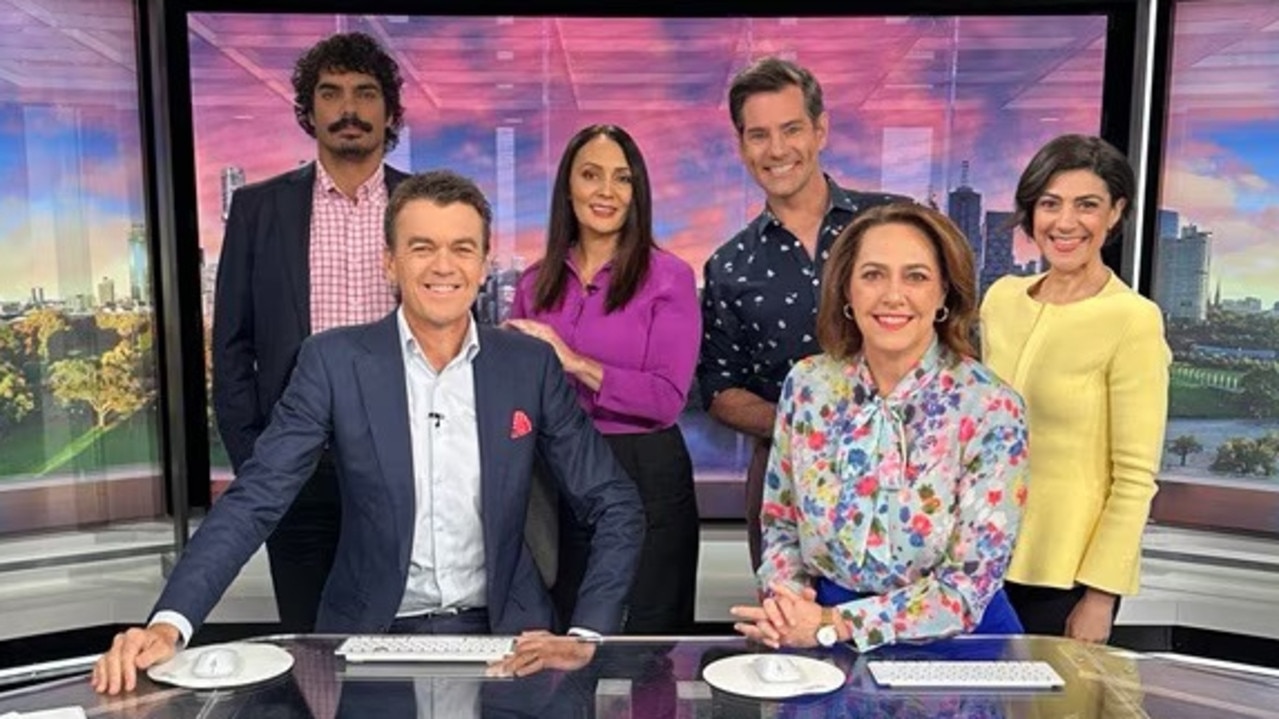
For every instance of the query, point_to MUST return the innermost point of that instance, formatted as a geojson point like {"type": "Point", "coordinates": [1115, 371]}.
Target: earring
{"type": "Point", "coordinates": [848, 311]}
{"type": "Point", "coordinates": [942, 315]}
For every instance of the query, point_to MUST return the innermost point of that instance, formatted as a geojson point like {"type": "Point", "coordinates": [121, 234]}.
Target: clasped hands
{"type": "Point", "coordinates": [787, 618]}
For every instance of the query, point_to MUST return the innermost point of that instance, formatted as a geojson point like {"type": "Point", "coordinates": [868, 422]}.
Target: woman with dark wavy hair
{"type": "Point", "coordinates": [622, 315]}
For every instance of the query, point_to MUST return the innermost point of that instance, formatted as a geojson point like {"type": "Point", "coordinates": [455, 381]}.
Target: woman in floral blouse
{"type": "Point", "coordinates": [897, 476]}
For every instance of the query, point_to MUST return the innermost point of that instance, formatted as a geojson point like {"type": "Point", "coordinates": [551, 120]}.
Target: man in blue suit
{"type": "Point", "coordinates": [433, 422]}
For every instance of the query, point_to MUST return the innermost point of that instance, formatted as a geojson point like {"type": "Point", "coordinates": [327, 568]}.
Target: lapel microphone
{"type": "Point", "coordinates": [435, 416]}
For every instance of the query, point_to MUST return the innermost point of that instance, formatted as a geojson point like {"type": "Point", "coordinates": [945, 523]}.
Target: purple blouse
{"type": "Point", "coordinates": [648, 347]}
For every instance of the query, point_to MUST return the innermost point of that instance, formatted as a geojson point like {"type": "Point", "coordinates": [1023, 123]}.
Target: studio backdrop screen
{"type": "Point", "coordinates": [943, 109]}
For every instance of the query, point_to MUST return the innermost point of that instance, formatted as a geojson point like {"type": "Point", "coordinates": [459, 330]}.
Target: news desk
{"type": "Point", "coordinates": [639, 679]}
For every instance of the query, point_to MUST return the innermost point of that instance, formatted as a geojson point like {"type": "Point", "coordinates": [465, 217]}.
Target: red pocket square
{"type": "Point", "coordinates": [520, 424]}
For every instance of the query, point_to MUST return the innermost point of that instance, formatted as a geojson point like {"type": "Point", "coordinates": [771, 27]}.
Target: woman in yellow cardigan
{"type": "Point", "coordinates": [1088, 355]}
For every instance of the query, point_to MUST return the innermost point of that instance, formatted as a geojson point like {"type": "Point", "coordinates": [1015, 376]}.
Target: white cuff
{"type": "Point", "coordinates": [170, 617]}
{"type": "Point", "coordinates": [585, 634]}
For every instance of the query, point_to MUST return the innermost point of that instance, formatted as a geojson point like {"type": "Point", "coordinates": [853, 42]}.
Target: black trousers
{"type": "Point", "coordinates": [1044, 610]}
{"type": "Point", "coordinates": [302, 548]}
{"type": "Point", "coordinates": [469, 621]}
{"type": "Point", "coordinates": [663, 598]}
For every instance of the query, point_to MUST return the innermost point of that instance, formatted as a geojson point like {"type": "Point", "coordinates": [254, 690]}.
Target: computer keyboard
{"type": "Point", "coordinates": [424, 648]}
{"type": "Point", "coordinates": [966, 674]}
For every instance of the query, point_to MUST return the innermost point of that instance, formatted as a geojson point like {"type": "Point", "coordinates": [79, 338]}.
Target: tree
{"type": "Point", "coordinates": [109, 386]}
{"type": "Point", "coordinates": [39, 327]}
{"type": "Point", "coordinates": [1184, 445]}
{"type": "Point", "coordinates": [1260, 390]}
{"type": "Point", "coordinates": [1240, 455]}
{"type": "Point", "coordinates": [16, 397]}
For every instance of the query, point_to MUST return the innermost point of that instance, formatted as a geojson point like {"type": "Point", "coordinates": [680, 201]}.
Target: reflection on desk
{"type": "Point", "coordinates": [630, 678]}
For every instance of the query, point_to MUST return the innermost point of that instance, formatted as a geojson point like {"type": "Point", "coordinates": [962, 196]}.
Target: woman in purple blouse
{"type": "Point", "coordinates": [623, 317]}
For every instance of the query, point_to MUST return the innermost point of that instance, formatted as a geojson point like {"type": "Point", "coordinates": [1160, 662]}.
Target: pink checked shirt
{"type": "Point", "coordinates": [347, 283]}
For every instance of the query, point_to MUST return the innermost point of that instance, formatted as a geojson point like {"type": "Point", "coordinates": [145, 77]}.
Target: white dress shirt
{"type": "Point", "coordinates": [446, 566]}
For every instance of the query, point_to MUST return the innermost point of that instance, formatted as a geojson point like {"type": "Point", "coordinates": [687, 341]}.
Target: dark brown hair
{"type": "Point", "coordinates": [634, 243]}
{"type": "Point", "coordinates": [840, 337]}
{"type": "Point", "coordinates": [443, 187]}
{"type": "Point", "coordinates": [348, 52]}
{"type": "Point", "coordinates": [772, 74]}
{"type": "Point", "coordinates": [1074, 152]}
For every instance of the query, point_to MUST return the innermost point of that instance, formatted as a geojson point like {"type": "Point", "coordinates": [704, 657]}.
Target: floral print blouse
{"type": "Point", "coordinates": [913, 499]}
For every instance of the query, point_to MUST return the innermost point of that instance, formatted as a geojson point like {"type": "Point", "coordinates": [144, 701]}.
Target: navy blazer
{"type": "Point", "coordinates": [262, 304]}
{"type": "Point", "coordinates": [348, 391]}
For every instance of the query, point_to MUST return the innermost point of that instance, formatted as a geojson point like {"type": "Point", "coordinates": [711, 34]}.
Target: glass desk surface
{"type": "Point", "coordinates": [640, 679]}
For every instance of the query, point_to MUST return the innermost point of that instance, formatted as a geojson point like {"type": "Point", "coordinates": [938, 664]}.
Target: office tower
{"type": "Point", "coordinates": [232, 180]}
{"type": "Point", "coordinates": [998, 248]}
{"type": "Point", "coordinates": [964, 209]}
{"type": "Point", "coordinates": [1169, 223]}
{"type": "Point", "coordinates": [106, 292]}
{"type": "Point", "coordinates": [139, 276]}
{"type": "Point", "coordinates": [1181, 282]}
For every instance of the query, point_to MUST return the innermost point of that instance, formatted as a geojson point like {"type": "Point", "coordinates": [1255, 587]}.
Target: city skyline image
{"type": "Point", "coordinates": [496, 99]}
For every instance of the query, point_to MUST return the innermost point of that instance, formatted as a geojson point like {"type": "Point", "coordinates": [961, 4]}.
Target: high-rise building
{"type": "Point", "coordinates": [1181, 282]}
{"type": "Point", "coordinates": [1169, 223]}
{"type": "Point", "coordinates": [964, 209]}
{"type": "Point", "coordinates": [139, 272]}
{"type": "Point", "coordinates": [106, 292]}
{"type": "Point", "coordinates": [999, 260]}
{"type": "Point", "coordinates": [232, 180]}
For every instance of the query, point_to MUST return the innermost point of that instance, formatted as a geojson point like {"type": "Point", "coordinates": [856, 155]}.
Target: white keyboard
{"type": "Point", "coordinates": [966, 674]}
{"type": "Point", "coordinates": [424, 648]}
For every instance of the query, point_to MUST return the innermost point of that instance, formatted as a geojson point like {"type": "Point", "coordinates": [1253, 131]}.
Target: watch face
{"type": "Point", "coordinates": [827, 636]}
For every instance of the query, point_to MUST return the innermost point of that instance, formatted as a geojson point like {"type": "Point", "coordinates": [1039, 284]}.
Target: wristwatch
{"type": "Point", "coordinates": [827, 635]}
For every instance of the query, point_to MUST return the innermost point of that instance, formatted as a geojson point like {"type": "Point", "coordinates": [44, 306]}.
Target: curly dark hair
{"type": "Point", "coordinates": [348, 52]}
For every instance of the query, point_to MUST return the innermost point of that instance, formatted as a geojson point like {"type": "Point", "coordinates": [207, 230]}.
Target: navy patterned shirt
{"type": "Point", "coordinates": [759, 299]}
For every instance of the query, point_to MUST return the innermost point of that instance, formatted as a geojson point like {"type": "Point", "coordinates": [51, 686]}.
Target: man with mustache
{"type": "Point", "coordinates": [302, 253]}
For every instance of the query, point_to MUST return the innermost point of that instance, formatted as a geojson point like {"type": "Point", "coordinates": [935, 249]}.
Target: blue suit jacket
{"type": "Point", "coordinates": [348, 392]}
{"type": "Point", "coordinates": [262, 306]}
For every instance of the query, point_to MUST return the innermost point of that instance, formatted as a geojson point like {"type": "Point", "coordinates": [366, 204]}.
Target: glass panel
{"type": "Point", "coordinates": [78, 378]}
{"type": "Point", "coordinates": [946, 110]}
{"type": "Point", "coordinates": [1217, 265]}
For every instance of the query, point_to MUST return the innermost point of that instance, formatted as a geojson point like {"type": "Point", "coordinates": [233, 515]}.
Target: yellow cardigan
{"type": "Point", "coordinates": [1094, 374]}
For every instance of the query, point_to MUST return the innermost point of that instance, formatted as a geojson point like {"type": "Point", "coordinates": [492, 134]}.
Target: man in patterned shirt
{"type": "Point", "coordinates": [760, 289]}
{"type": "Point", "coordinates": [303, 253]}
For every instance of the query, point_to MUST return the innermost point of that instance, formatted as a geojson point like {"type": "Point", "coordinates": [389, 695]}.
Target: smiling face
{"type": "Point", "coordinates": [779, 142]}
{"type": "Point", "coordinates": [1072, 219]}
{"type": "Point", "coordinates": [895, 291]}
{"type": "Point", "coordinates": [349, 114]}
{"type": "Point", "coordinates": [600, 187]}
{"type": "Point", "coordinates": [437, 261]}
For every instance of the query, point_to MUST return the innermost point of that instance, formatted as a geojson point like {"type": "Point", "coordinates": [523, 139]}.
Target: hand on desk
{"type": "Point", "coordinates": [785, 619]}
{"type": "Point", "coordinates": [135, 649]}
{"type": "Point", "coordinates": [538, 650]}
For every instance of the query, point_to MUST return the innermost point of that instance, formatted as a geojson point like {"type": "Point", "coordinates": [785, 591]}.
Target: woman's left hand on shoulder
{"type": "Point", "coordinates": [547, 334]}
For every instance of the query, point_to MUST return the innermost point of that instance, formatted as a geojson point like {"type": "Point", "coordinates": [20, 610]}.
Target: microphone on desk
{"type": "Point", "coordinates": [435, 416]}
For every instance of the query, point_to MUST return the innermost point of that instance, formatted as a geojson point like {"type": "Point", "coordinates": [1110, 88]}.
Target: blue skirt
{"type": "Point", "coordinates": [1000, 618]}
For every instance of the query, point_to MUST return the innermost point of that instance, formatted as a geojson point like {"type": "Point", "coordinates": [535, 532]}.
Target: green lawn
{"type": "Point", "coordinates": [1186, 400]}
{"type": "Point", "coordinates": [58, 444]}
